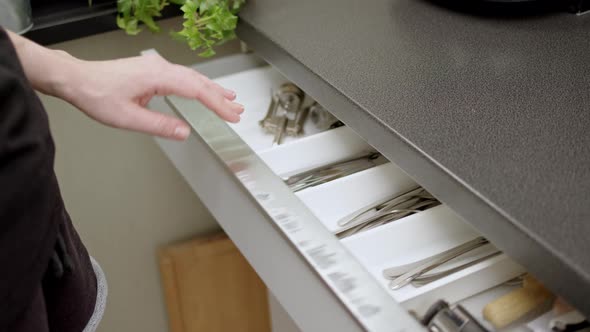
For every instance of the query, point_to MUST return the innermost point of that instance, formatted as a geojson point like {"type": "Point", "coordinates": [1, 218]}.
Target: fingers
{"type": "Point", "coordinates": [214, 97]}
{"type": "Point", "coordinates": [153, 123]}
{"type": "Point", "coordinates": [185, 82]}
{"type": "Point", "coordinates": [226, 109]}
{"type": "Point", "coordinates": [229, 94]}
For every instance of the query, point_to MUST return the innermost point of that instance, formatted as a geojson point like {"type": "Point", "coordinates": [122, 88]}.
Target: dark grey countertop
{"type": "Point", "coordinates": [490, 114]}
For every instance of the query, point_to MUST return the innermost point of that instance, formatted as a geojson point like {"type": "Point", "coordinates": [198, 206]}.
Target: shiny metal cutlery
{"type": "Point", "coordinates": [333, 171]}
{"type": "Point", "coordinates": [285, 115]}
{"type": "Point", "coordinates": [388, 210]}
{"type": "Point", "coordinates": [427, 278]}
{"type": "Point", "coordinates": [417, 269]}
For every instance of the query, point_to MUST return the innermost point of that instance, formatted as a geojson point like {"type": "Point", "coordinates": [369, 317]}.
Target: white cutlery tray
{"type": "Point", "coordinates": [404, 241]}
{"type": "Point", "coordinates": [409, 239]}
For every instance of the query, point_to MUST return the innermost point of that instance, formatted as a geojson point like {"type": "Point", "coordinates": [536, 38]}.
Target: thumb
{"type": "Point", "coordinates": [154, 123]}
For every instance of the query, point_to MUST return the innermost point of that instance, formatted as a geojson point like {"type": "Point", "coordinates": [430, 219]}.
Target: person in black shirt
{"type": "Point", "coordinates": [48, 282]}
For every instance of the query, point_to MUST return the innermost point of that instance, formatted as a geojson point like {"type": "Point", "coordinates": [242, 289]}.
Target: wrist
{"type": "Point", "coordinates": [60, 77]}
{"type": "Point", "coordinates": [49, 71]}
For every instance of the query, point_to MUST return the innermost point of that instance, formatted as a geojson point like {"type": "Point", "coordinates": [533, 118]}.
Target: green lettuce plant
{"type": "Point", "coordinates": [207, 23]}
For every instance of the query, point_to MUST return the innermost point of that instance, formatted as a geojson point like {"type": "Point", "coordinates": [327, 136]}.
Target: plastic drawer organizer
{"type": "Point", "coordinates": [329, 273]}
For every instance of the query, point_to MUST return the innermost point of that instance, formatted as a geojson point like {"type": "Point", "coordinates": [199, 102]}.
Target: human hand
{"type": "Point", "coordinates": [117, 92]}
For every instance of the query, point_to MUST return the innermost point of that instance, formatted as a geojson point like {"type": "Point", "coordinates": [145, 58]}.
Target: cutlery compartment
{"type": "Point", "coordinates": [254, 89]}
{"type": "Point", "coordinates": [335, 200]}
{"type": "Point", "coordinates": [536, 313]}
{"type": "Point", "coordinates": [314, 147]}
{"type": "Point", "coordinates": [314, 151]}
{"type": "Point", "coordinates": [399, 246]}
{"type": "Point", "coordinates": [475, 303]}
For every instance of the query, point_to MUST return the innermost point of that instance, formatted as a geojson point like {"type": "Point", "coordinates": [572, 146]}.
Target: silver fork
{"type": "Point", "coordinates": [425, 279]}
{"type": "Point", "coordinates": [332, 171]}
{"type": "Point", "coordinates": [390, 209]}
{"type": "Point", "coordinates": [423, 266]}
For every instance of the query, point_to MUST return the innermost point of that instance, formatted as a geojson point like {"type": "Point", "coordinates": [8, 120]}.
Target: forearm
{"type": "Point", "coordinates": [47, 70]}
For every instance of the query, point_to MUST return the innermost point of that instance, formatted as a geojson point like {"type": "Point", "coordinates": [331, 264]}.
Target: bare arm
{"type": "Point", "coordinates": [116, 92]}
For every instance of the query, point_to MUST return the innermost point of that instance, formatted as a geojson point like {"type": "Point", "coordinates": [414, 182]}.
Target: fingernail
{"type": "Point", "coordinates": [239, 108]}
{"type": "Point", "coordinates": [236, 119]}
{"type": "Point", "coordinates": [182, 132]}
{"type": "Point", "coordinates": [230, 94]}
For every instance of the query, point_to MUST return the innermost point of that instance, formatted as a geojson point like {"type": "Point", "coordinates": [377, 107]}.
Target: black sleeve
{"type": "Point", "coordinates": [29, 196]}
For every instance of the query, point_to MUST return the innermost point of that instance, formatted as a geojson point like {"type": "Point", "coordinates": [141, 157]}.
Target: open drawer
{"type": "Point", "coordinates": [311, 244]}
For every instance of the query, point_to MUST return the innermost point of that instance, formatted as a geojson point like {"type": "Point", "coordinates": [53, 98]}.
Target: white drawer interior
{"type": "Point", "coordinates": [301, 154]}
{"type": "Point", "coordinates": [398, 245]}
{"type": "Point", "coordinates": [332, 201]}
{"type": "Point", "coordinates": [254, 88]}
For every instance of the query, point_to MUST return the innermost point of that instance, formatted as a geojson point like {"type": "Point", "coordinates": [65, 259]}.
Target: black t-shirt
{"type": "Point", "coordinates": [32, 214]}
